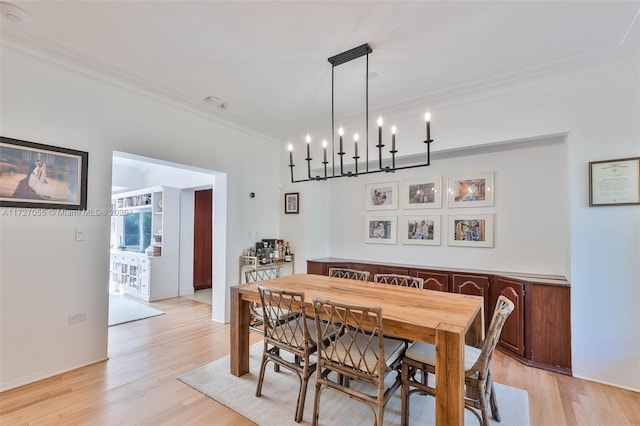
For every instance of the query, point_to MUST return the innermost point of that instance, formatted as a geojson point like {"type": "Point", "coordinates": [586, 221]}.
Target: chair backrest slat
{"type": "Point", "coordinates": [400, 280]}
{"type": "Point", "coordinates": [352, 274]}
{"type": "Point", "coordinates": [262, 273]}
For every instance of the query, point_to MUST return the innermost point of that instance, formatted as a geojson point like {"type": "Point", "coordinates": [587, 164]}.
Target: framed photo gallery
{"type": "Point", "coordinates": [464, 229]}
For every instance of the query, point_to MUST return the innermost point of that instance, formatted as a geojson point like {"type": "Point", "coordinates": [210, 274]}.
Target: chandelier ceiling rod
{"type": "Point", "coordinates": [339, 59]}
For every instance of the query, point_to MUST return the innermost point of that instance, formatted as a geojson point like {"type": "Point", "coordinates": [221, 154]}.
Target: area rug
{"type": "Point", "coordinates": [123, 310]}
{"type": "Point", "coordinates": [276, 406]}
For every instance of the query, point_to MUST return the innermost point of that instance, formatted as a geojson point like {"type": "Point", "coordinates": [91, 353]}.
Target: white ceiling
{"type": "Point", "coordinates": [268, 60]}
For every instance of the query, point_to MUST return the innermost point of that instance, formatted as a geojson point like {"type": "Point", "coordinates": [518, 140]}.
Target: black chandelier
{"type": "Point", "coordinates": [336, 60]}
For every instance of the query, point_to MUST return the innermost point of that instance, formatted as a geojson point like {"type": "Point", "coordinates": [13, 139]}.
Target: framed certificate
{"type": "Point", "coordinates": [614, 182]}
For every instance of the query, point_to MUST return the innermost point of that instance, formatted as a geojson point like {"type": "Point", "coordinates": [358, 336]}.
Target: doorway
{"type": "Point", "coordinates": [132, 172]}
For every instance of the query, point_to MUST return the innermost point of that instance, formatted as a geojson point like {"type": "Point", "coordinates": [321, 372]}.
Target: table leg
{"type": "Point", "coordinates": [475, 334]}
{"type": "Point", "coordinates": [449, 375]}
{"type": "Point", "coordinates": [239, 345]}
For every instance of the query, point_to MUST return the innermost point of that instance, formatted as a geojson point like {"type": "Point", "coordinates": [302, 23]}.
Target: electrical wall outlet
{"type": "Point", "coordinates": [79, 235]}
{"type": "Point", "coordinates": [76, 318]}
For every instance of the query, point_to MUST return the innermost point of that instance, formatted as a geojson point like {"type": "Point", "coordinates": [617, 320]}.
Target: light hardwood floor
{"type": "Point", "coordinates": [138, 385]}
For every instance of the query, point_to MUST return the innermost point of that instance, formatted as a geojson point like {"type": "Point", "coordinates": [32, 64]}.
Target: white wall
{"type": "Point", "coordinates": [549, 228]}
{"type": "Point", "coordinates": [51, 104]}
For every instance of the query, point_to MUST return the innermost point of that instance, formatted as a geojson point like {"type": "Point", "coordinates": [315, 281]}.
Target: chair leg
{"type": "Point", "coordinates": [404, 412]}
{"type": "Point", "coordinates": [276, 366]}
{"type": "Point", "coordinates": [316, 405]}
{"type": "Point", "coordinates": [380, 419]}
{"type": "Point", "coordinates": [483, 403]}
{"type": "Point", "coordinates": [263, 365]}
{"type": "Point", "coordinates": [494, 402]}
{"type": "Point", "coordinates": [302, 394]}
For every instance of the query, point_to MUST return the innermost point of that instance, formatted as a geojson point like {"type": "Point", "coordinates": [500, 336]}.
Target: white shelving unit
{"type": "Point", "coordinates": [148, 273]}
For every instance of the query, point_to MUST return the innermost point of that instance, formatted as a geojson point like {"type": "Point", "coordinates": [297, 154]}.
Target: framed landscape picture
{"type": "Point", "coordinates": [34, 175]}
{"type": "Point", "coordinates": [381, 196]}
{"type": "Point", "coordinates": [380, 229]}
{"type": "Point", "coordinates": [471, 190]}
{"type": "Point", "coordinates": [423, 230]}
{"type": "Point", "coordinates": [422, 193]}
{"type": "Point", "coordinates": [470, 230]}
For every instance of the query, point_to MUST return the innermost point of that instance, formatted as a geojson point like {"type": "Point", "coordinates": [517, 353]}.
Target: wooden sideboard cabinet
{"type": "Point", "coordinates": [538, 331]}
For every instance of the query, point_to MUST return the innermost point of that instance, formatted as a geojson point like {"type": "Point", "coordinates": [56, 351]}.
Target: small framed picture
{"type": "Point", "coordinates": [471, 190]}
{"type": "Point", "coordinates": [381, 196]}
{"type": "Point", "coordinates": [422, 193]}
{"type": "Point", "coordinates": [470, 230]}
{"type": "Point", "coordinates": [614, 182]}
{"type": "Point", "coordinates": [380, 229]}
{"type": "Point", "coordinates": [291, 203]}
{"type": "Point", "coordinates": [423, 230]}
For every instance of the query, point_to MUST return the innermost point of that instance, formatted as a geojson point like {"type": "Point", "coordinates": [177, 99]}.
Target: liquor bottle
{"type": "Point", "coordinates": [287, 253]}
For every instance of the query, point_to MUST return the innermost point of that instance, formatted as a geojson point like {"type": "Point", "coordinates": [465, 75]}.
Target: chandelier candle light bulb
{"type": "Point", "coordinates": [380, 145]}
{"type": "Point", "coordinates": [355, 143]}
{"type": "Point", "coordinates": [427, 118]}
{"type": "Point", "coordinates": [308, 139]}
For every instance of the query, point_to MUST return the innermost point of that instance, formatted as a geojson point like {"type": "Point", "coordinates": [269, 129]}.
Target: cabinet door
{"type": "Point", "coordinates": [512, 337]}
{"type": "Point", "coordinates": [474, 285]}
{"type": "Point", "coordinates": [393, 270]}
{"type": "Point", "coordinates": [316, 268]}
{"type": "Point", "coordinates": [437, 281]}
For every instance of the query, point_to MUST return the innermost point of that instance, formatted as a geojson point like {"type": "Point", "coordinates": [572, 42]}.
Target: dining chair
{"type": "Point", "coordinates": [358, 353]}
{"type": "Point", "coordinates": [352, 274]}
{"type": "Point", "coordinates": [401, 280]}
{"type": "Point", "coordinates": [262, 273]}
{"type": "Point", "coordinates": [421, 358]}
{"type": "Point", "coordinates": [291, 336]}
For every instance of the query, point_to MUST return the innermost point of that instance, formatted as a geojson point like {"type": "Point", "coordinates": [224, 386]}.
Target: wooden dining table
{"type": "Point", "coordinates": [447, 320]}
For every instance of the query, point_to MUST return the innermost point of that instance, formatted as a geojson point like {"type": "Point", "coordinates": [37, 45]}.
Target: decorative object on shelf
{"type": "Point", "coordinates": [381, 196]}
{"type": "Point", "coordinates": [422, 193]}
{"type": "Point", "coordinates": [349, 55]}
{"type": "Point", "coordinates": [380, 229]}
{"type": "Point", "coordinates": [471, 230]}
{"type": "Point", "coordinates": [475, 190]}
{"type": "Point", "coordinates": [614, 182]}
{"type": "Point", "coordinates": [423, 230]}
{"type": "Point", "coordinates": [291, 200]}
{"type": "Point", "coordinates": [34, 175]}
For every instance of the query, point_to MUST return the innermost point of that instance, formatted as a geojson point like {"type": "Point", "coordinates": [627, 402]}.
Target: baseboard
{"type": "Point", "coordinates": [605, 380]}
{"type": "Point", "coordinates": [36, 377]}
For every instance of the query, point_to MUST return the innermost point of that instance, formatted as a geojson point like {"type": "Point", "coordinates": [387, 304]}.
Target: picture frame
{"type": "Point", "coordinates": [34, 175]}
{"type": "Point", "coordinates": [470, 230]}
{"type": "Point", "coordinates": [614, 182]}
{"type": "Point", "coordinates": [422, 193]}
{"type": "Point", "coordinates": [381, 196]}
{"type": "Point", "coordinates": [421, 230]}
{"type": "Point", "coordinates": [292, 203]}
{"type": "Point", "coordinates": [380, 229]}
{"type": "Point", "coordinates": [472, 190]}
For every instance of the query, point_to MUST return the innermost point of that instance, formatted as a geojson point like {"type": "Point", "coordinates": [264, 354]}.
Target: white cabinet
{"type": "Point", "coordinates": [145, 235]}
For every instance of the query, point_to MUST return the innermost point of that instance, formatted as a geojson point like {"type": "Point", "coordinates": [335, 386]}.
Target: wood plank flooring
{"type": "Point", "coordinates": [138, 385]}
